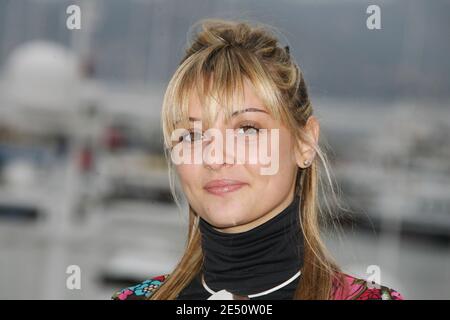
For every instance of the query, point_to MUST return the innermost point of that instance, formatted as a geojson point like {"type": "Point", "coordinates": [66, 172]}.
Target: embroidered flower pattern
{"type": "Point", "coordinates": [359, 289]}
{"type": "Point", "coordinates": [124, 294]}
{"type": "Point", "coordinates": [140, 291]}
{"type": "Point", "coordinates": [352, 288]}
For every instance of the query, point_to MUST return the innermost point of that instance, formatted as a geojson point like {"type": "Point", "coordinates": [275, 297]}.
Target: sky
{"type": "Point", "coordinates": [142, 41]}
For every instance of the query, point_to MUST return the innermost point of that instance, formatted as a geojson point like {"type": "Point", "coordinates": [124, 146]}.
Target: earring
{"type": "Point", "coordinates": [307, 162]}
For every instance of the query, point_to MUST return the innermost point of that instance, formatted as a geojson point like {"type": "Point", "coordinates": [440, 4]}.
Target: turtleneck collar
{"type": "Point", "coordinates": [255, 260]}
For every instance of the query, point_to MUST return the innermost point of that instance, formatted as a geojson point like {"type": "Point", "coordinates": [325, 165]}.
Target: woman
{"type": "Point", "coordinates": [253, 224]}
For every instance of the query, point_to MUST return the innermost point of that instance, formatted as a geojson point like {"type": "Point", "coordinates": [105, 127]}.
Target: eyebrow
{"type": "Point", "coordinates": [235, 113]}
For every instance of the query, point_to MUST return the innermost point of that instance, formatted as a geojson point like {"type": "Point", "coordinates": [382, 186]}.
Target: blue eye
{"type": "Point", "coordinates": [191, 136]}
{"type": "Point", "coordinates": [248, 129]}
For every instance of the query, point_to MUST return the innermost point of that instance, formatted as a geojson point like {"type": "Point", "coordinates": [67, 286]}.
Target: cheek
{"type": "Point", "coordinates": [280, 180]}
{"type": "Point", "coordinates": [280, 150]}
{"type": "Point", "coordinates": [274, 151]}
{"type": "Point", "coordinates": [286, 151]}
{"type": "Point", "coordinates": [189, 176]}
{"type": "Point", "coordinates": [286, 148]}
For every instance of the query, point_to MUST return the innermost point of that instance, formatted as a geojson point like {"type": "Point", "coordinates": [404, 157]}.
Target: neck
{"type": "Point", "coordinates": [255, 260]}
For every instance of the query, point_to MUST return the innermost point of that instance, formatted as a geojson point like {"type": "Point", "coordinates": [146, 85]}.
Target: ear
{"type": "Point", "coordinates": [305, 151]}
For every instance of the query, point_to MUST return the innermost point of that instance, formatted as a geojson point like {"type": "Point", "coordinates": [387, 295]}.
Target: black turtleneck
{"type": "Point", "coordinates": [251, 261]}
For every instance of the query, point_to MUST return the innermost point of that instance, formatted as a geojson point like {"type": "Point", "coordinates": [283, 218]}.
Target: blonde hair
{"type": "Point", "coordinates": [220, 57]}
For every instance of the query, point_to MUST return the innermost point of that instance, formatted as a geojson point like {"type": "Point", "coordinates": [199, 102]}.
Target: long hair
{"type": "Point", "coordinates": [221, 56]}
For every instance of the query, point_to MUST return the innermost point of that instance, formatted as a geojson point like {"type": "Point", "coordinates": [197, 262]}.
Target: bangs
{"type": "Point", "coordinates": [217, 76]}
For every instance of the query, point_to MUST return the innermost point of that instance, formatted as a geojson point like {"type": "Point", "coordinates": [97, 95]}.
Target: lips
{"type": "Point", "coordinates": [223, 186]}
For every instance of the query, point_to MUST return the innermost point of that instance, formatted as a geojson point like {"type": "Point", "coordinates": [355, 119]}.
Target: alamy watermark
{"type": "Point", "coordinates": [373, 21]}
{"type": "Point", "coordinates": [73, 21]}
{"type": "Point", "coordinates": [73, 281]}
{"type": "Point", "coordinates": [374, 276]}
{"type": "Point", "coordinates": [262, 148]}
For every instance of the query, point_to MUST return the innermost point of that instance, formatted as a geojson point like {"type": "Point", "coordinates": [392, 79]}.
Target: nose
{"type": "Point", "coordinates": [216, 154]}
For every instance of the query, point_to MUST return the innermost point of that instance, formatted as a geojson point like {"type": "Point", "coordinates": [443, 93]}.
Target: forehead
{"type": "Point", "coordinates": [249, 96]}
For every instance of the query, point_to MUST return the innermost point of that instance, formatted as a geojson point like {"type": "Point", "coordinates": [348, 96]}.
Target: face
{"type": "Point", "coordinates": [232, 195]}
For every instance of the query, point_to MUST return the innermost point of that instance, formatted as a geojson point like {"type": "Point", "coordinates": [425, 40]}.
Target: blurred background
{"type": "Point", "coordinates": [83, 180]}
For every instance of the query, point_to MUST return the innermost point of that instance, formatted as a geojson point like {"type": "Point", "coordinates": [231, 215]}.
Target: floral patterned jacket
{"type": "Point", "coordinates": [352, 289]}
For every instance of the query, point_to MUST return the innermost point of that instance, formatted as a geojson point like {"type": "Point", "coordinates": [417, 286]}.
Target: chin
{"type": "Point", "coordinates": [224, 220]}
